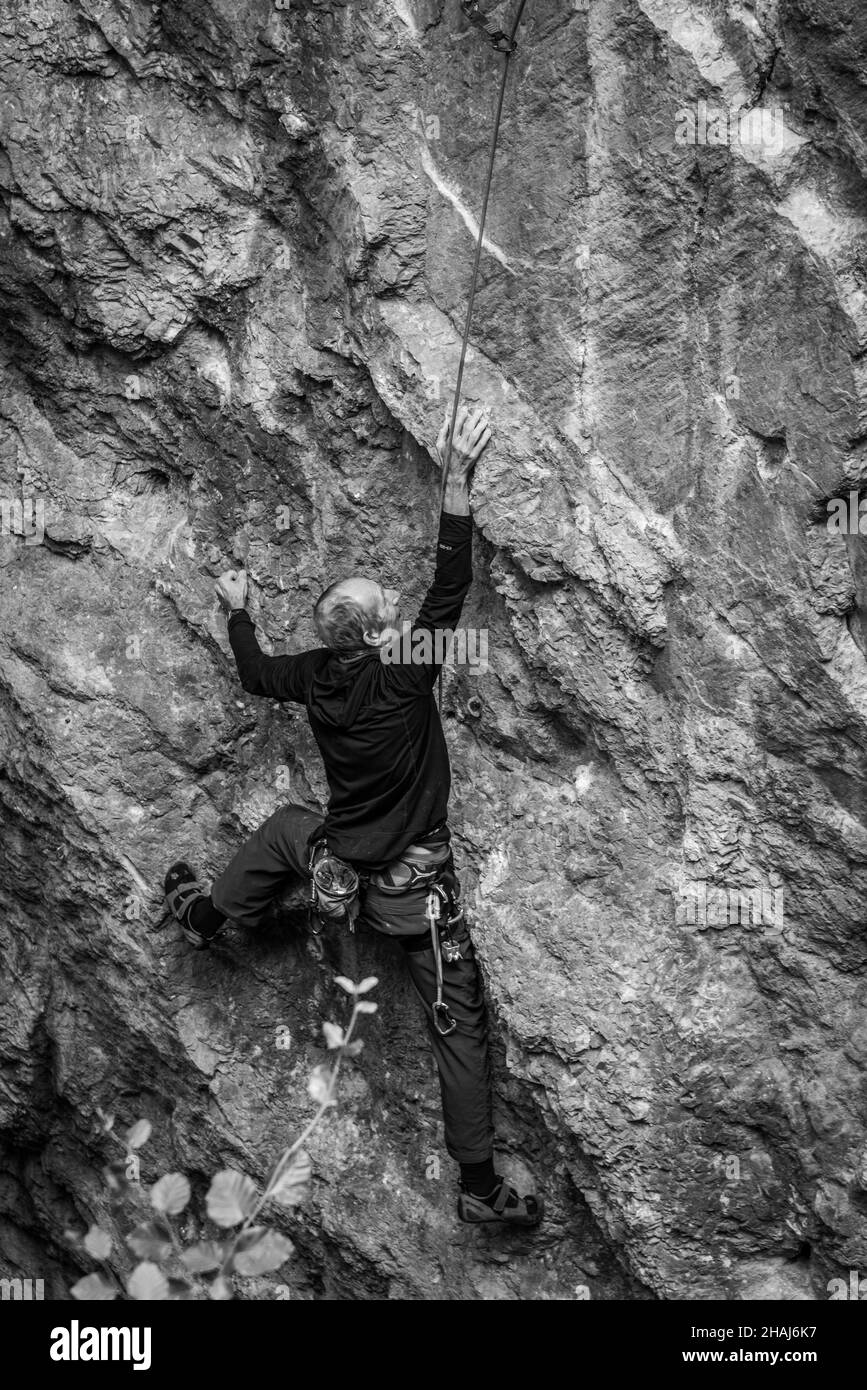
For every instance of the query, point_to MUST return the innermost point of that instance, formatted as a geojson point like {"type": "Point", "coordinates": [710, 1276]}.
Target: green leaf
{"type": "Point", "coordinates": [151, 1241]}
{"type": "Point", "coordinates": [221, 1289]}
{"type": "Point", "coordinates": [204, 1257]}
{"type": "Point", "coordinates": [352, 1049]}
{"type": "Point", "coordinates": [231, 1198]}
{"type": "Point", "coordinates": [333, 1034]}
{"type": "Point", "coordinates": [148, 1284]}
{"type": "Point", "coordinates": [179, 1290]}
{"type": "Point", "coordinates": [171, 1193]}
{"type": "Point", "coordinates": [98, 1243]}
{"type": "Point", "coordinates": [368, 984]}
{"type": "Point", "coordinates": [319, 1085]}
{"type": "Point", "coordinates": [138, 1134]}
{"type": "Point", "coordinates": [366, 1006]}
{"type": "Point", "coordinates": [291, 1187]}
{"type": "Point", "coordinates": [93, 1289]}
{"type": "Point", "coordinates": [344, 983]}
{"type": "Point", "coordinates": [264, 1255]}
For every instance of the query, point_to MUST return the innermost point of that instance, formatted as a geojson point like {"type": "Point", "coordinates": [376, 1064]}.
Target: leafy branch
{"type": "Point", "coordinates": [165, 1267]}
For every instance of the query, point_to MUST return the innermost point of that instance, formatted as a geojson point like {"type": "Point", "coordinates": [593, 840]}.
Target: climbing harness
{"type": "Point", "coordinates": [335, 898]}
{"type": "Point", "coordinates": [420, 865]}
{"type": "Point", "coordinates": [505, 44]}
{"type": "Point", "coordinates": [335, 886]}
{"type": "Point", "coordinates": [430, 866]}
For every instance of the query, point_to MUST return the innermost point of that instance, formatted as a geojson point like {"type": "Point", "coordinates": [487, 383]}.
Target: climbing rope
{"type": "Point", "coordinates": [505, 44]}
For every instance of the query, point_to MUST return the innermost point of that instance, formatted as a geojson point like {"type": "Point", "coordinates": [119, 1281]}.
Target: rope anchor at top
{"type": "Point", "coordinates": [503, 43]}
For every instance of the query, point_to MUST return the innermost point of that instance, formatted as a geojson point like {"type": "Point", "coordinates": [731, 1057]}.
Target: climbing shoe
{"type": "Point", "coordinates": [183, 892]}
{"type": "Point", "coordinates": [502, 1206]}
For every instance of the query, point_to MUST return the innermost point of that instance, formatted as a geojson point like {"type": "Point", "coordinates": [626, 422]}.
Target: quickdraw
{"type": "Point", "coordinates": [503, 43]}
{"type": "Point", "coordinates": [441, 902]}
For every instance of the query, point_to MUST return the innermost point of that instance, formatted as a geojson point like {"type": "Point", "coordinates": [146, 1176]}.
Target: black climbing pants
{"type": "Point", "coordinates": [277, 853]}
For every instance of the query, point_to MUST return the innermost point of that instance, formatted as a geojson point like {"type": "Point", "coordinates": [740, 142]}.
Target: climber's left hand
{"type": "Point", "coordinates": [231, 590]}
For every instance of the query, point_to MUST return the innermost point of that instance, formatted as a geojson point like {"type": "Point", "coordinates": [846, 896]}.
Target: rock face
{"type": "Point", "coordinates": [236, 243]}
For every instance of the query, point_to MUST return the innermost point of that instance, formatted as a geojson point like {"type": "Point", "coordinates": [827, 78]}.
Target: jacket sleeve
{"type": "Point", "coordinates": [277, 677]}
{"type": "Point", "coordinates": [441, 610]}
{"type": "Point", "coordinates": [453, 576]}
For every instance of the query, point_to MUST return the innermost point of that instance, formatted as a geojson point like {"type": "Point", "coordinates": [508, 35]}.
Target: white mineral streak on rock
{"type": "Point", "coordinates": [403, 11]}
{"type": "Point", "coordinates": [834, 233]}
{"type": "Point", "coordinates": [468, 218]}
{"type": "Point", "coordinates": [494, 870]}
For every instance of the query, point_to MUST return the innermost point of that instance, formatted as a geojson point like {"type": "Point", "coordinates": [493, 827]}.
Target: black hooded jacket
{"type": "Point", "coordinates": [376, 723]}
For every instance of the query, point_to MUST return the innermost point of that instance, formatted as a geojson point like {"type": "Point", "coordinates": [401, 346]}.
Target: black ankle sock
{"type": "Point", "coordinates": [205, 918]}
{"type": "Point", "coordinates": [479, 1178]}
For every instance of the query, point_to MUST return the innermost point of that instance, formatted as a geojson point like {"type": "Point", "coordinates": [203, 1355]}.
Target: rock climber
{"type": "Point", "coordinates": [376, 723]}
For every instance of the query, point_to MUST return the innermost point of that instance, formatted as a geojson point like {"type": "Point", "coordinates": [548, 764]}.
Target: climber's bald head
{"type": "Point", "coordinates": [355, 613]}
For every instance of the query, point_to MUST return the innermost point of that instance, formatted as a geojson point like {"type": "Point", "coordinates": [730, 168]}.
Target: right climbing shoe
{"type": "Point", "coordinates": [183, 891]}
{"type": "Point", "coordinates": [501, 1206]}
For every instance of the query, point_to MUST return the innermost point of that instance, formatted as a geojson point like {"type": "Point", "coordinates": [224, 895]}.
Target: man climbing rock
{"type": "Point", "coordinates": [382, 850]}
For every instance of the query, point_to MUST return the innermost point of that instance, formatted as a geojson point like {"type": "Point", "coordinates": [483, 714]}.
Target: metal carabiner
{"type": "Point", "coordinates": [437, 1008]}
{"type": "Point", "coordinates": [451, 951]}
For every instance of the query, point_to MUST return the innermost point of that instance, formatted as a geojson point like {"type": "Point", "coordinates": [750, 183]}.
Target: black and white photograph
{"type": "Point", "coordinates": [433, 670]}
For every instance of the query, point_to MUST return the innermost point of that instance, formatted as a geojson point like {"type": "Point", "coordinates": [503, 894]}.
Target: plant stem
{"type": "Point", "coordinates": [309, 1128]}
{"type": "Point", "coordinates": [293, 1149]}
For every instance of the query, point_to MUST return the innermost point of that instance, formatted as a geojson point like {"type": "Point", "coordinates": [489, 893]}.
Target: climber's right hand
{"type": "Point", "coordinates": [231, 590]}
{"type": "Point", "coordinates": [471, 436]}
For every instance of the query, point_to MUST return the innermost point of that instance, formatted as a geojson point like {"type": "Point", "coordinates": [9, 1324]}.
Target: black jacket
{"type": "Point", "coordinates": [376, 724]}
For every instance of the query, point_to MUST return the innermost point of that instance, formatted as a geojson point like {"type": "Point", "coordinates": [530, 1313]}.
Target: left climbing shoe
{"type": "Point", "coordinates": [183, 890]}
{"type": "Point", "coordinates": [502, 1206]}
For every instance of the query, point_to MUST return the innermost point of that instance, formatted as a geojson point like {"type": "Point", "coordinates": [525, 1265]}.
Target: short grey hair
{"type": "Point", "coordinates": [341, 622]}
